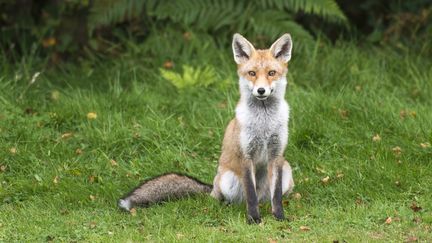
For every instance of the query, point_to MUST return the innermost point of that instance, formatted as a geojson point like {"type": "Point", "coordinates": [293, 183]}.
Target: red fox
{"type": "Point", "coordinates": [251, 167]}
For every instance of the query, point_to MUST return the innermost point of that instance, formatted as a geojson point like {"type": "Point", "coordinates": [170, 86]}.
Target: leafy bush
{"type": "Point", "coordinates": [66, 28]}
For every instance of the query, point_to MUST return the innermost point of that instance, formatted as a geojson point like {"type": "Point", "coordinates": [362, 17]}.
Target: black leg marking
{"type": "Point", "coordinates": [277, 208]}
{"type": "Point", "coordinates": [251, 199]}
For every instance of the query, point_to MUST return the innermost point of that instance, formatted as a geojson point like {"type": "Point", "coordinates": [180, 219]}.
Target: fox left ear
{"type": "Point", "coordinates": [281, 49]}
{"type": "Point", "coordinates": [242, 49]}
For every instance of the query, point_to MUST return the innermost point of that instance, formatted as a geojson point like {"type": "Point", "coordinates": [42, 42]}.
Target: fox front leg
{"type": "Point", "coordinates": [253, 215]}
{"type": "Point", "coordinates": [276, 172]}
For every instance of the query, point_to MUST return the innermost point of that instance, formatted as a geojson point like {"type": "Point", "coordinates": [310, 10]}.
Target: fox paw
{"type": "Point", "coordinates": [279, 216]}
{"type": "Point", "coordinates": [253, 219]}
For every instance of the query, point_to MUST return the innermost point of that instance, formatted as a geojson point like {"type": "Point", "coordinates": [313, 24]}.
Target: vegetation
{"type": "Point", "coordinates": [74, 141]}
{"type": "Point", "coordinates": [85, 117]}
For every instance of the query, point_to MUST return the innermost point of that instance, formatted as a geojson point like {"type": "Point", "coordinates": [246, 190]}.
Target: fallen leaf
{"type": "Point", "coordinates": [78, 151]}
{"type": "Point", "coordinates": [397, 150]}
{"type": "Point", "coordinates": [66, 135]}
{"type": "Point", "coordinates": [55, 95]}
{"type": "Point", "coordinates": [399, 161]}
{"type": "Point", "coordinates": [425, 145]}
{"type": "Point", "coordinates": [411, 239]}
{"type": "Point", "coordinates": [187, 35]}
{"type": "Point", "coordinates": [343, 113]}
{"type": "Point", "coordinates": [320, 170]}
{"type": "Point", "coordinates": [91, 115]}
{"type": "Point", "coordinates": [325, 180]}
{"type": "Point", "coordinates": [168, 64]}
{"type": "Point", "coordinates": [92, 225]}
{"type": "Point", "coordinates": [376, 138]}
{"type": "Point", "coordinates": [92, 197]}
{"type": "Point", "coordinates": [50, 41]}
{"type": "Point", "coordinates": [388, 220]}
{"type": "Point", "coordinates": [297, 196]}
{"type": "Point", "coordinates": [402, 114]}
{"type": "Point", "coordinates": [415, 207]}
{"type": "Point", "coordinates": [13, 150]}
{"type": "Point", "coordinates": [339, 175]}
{"type": "Point", "coordinates": [113, 163]}
{"type": "Point", "coordinates": [304, 228]}
{"type": "Point", "coordinates": [93, 179]}
{"type": "Point", "coordinates": [270, 240]}
{"type": "Point", "coordinates": [358, 88]}
{"type": "Point", "coordinates": [133, 212]}
{"type": "Point", "coordinates": [413, 114]}
{"type": "Point", "coordinates": [3, 168]}
{"type": "Point", "coordinates": [56, 180]}
{"type": "Point", "coordinates": [397, 183]}
{"type": "Point", "coordinates": [110, 233]}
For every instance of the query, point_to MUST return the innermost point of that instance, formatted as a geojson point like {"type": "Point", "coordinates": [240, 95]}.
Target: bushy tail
{"type": "Point", "coordinates": [162, 188]}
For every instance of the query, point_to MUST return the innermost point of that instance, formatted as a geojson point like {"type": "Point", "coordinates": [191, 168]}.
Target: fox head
{"type": "Point", "coordinates": [262, 72]}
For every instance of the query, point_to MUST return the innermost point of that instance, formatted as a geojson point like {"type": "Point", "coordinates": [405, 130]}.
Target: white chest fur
{"type": "Point", "coordinates": [263, 129]}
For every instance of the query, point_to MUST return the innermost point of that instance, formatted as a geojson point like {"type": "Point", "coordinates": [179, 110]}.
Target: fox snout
{"type": "Point", "coordinates": [262, 92]}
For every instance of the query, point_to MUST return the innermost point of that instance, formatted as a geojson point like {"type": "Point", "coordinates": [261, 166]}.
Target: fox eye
{"type": "Point", "coordinates": [252, 73]}
{"type": "Point", "coordinates": [272, 73]}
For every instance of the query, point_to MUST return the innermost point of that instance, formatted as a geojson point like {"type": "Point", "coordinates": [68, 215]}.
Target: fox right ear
{"type": "Point", "coordinates": [242, 49]}
{"type": "Point", "coordinates": [281, 49]}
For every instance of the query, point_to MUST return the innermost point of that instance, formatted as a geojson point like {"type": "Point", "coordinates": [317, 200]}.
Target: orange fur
{"type": "Point", "coordinates": [262, 62]}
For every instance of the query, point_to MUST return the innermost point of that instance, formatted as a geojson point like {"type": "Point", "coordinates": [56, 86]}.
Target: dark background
{"type": "Point", "coordinates": [75, 30]}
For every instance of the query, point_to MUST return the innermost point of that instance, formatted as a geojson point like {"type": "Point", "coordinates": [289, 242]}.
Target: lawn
{"type": "Point", "coordinates": [78, 138]}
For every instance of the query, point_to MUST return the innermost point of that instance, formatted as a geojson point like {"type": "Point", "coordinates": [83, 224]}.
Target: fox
{"type": "Point", "coordinates": [251, 167]}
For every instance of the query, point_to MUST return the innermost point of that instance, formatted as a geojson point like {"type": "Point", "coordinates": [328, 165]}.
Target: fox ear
{"type": "Point", "coordinates": [242, 49]}
{"type": "Point", "coordinates": [281, 49]}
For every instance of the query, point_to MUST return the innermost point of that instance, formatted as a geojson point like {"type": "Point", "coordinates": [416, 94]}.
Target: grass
{"type": "Point", "coordinates": [59, 183]}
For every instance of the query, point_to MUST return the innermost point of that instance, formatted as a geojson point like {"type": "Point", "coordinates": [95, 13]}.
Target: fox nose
{"type": "Point", "coordinates": [261, 91]}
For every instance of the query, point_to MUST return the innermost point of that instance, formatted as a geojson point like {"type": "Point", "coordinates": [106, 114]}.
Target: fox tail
{"type": "Point", "coordinates": [163, 188]}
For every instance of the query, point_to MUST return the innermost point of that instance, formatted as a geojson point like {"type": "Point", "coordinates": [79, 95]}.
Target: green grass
{"type": "Point", "coordinates": [340, 96]}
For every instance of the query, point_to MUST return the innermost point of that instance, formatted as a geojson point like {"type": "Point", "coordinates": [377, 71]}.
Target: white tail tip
{"type": "Point", "coordinates": [124, 204]}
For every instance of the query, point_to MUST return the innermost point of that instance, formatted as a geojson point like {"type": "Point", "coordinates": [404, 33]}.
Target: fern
{"type": "Point", "coordinates": [211, 23]}
{"type": "Point", "coordinates": [327, 9]}
{"type": "Point", "coordinates": [108, 12]}
{"type": "Point", "coordinates": [191, 77]}
{"type": "Point", "coordinates": [260, 24]}
{"type": "Point", "coordinates": [211, 15]}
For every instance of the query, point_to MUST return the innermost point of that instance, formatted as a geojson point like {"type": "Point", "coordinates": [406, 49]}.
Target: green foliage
{"type": "Point", "coordinates": [82, 28]}
{"type": "Point", "coordinates": [192, 77]}
{"type": "Point", "coordinates": [268, 18]}
{"type": "Point", "coordinates": [327, 9]}
{"type": "Point", "coordinates": [340, 96]}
